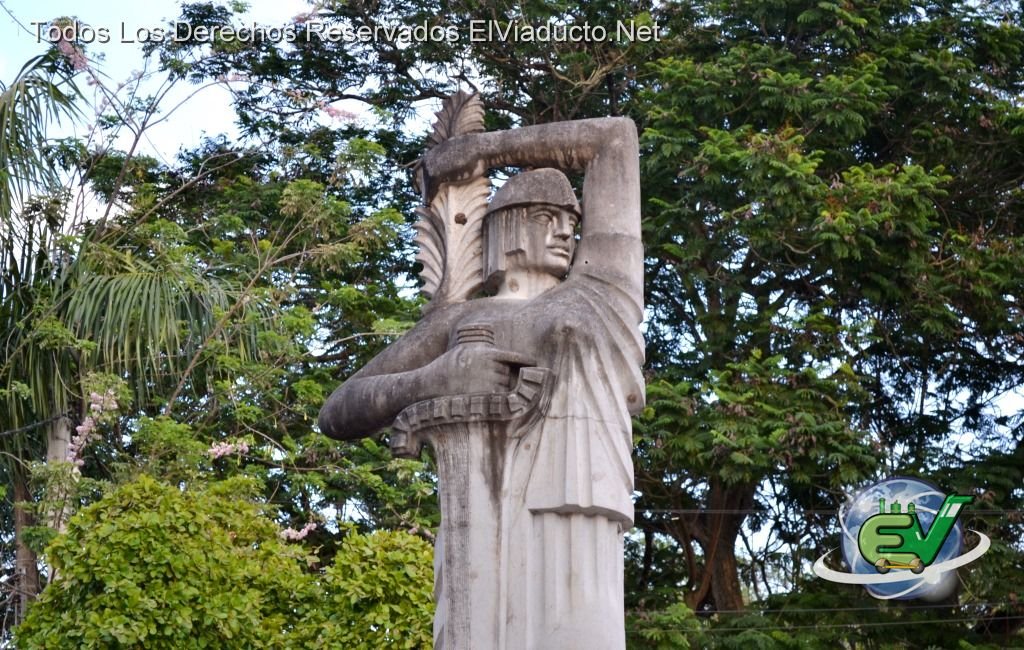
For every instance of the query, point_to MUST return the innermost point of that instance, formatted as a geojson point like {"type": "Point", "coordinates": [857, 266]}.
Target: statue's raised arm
{"type": "Point", "coordinates": [605, 149]}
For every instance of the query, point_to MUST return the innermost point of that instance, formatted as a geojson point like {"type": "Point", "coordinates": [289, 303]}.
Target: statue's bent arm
{"type": "Point", "coordinates": [605, 148]}
{"type": "Point", "coordinates": [419, 365]}
{"type": "Point", "coordinates": [372, 397]}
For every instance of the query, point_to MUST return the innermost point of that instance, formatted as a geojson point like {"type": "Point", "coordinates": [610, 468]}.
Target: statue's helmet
{"type": "Point", "coordinates": [548, 186]}
{"type": "Point", "coordinates": [502, 226]}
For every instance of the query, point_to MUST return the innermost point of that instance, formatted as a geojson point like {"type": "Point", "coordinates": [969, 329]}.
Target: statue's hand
{"type": "Point", "coordinates": [451, 161]}
{"type": "Point", "coordinates": [469, 369]}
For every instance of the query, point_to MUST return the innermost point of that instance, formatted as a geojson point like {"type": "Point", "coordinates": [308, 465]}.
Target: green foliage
{"type": "Point", "coordinates": [754, 417]}
{"type": "Point", "coordinates": [672, 628]}
{"type": "Point", "coordinates": [154, 566]}
{"type": "Point", "coordinates": [826, 274]}
{"type": "Point", "coordinates": [42, 91]}
{"type": "Point", "coordinates": [377, 594]}
{"type": "Point", "coordinates": [157, 566]}
{"type": "Point", "coordinates": [168, 450]}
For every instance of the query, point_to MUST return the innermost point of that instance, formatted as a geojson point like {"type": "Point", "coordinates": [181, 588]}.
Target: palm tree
{"type": "Point", "coordinates": [74, 302]}
{"type": "Point", "coordinates": [42, 92]}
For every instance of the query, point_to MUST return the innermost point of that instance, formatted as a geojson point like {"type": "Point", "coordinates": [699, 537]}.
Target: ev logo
{"type": "Point", "coordinates": [899, 554]}
{"type": "Point", "coordinates": [894, 540]}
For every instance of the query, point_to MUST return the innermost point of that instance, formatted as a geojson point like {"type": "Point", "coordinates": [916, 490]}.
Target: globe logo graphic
{"type": "Point", "coordinates": [902, 539]}
{"type": "Point", "coordinates": [927, 500]}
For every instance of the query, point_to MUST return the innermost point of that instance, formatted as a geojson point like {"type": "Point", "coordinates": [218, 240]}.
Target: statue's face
{"type": "Point", "coordinates": [548, 240]}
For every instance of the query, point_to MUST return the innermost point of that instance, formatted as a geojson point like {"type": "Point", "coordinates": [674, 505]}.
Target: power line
{"type": "Point", "coordinates": [846, 625]}
{"type": "Point", "coordinates": [793, 610]}
{"type": "Point", "coordinates": [752, 511]}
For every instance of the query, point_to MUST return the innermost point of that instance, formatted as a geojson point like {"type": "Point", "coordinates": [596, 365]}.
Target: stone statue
{"type": "Point", "coordinates": [522, 376]}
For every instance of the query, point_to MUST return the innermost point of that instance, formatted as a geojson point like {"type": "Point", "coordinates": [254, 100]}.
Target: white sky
{"type": "Point", "coordinates": [209, 112]}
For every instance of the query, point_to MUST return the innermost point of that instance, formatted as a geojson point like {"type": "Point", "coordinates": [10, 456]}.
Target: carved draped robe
{"type": "Point", "coordinates": [539, 562]}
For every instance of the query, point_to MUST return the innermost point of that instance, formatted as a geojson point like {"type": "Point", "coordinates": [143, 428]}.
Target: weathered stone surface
{"type": "Point", "coordinates": [524, 395]}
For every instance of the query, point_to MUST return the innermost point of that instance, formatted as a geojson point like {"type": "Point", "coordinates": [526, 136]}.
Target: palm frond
{"type": "Point", "coordinates": [39, 95]}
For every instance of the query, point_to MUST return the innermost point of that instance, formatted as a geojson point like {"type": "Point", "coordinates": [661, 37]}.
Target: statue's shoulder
{"type": "Point", "coordinates": [444, 317]}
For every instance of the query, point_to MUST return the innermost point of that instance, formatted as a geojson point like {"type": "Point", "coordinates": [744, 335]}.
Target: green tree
{"type": "Point", "coordinates": [204, 290]}
{"type": "Point", "coordinates": [378, 593]}
{"type": "Point", "coordinates": [830, 262]}
{"type": "Point", "coordinates": [42, 92]}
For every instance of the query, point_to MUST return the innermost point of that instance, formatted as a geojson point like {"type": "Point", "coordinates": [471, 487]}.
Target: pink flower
{"type": "Point", "coordinates": [339, 114]}
{"type": "Point", "coordinates": [73, 54]}
{"type": "Point", "coordinates": [334, 112]}
{"type": "Point", "coordinates": [221, 449]}
{"type": "Point", "coordinates": [292, 535]}
{"type": "Point", "coordinates": [86, 431]}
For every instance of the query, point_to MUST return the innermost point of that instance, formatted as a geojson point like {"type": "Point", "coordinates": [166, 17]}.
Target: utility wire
{"type": "Point", "coordinates": [751, 511]}
{"type": "Point", "coordinates": [849, 625]}
{"type": "Point", "coordinates": [797, 610]}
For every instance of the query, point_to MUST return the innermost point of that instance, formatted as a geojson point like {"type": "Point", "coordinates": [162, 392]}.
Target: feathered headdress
{"type": "Point", "coordinates": [449, 230]}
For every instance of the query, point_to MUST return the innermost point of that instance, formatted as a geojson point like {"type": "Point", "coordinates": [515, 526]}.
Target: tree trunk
{"type": "Point", "coordinates": [58, 440]}
{"type": "Point", "coordinates": [26, 583]}
{"type": "Point", "coordinates": [58, 444]}
{"type": "Point", "coordinates": [725, 582]}
{"type": "Point", "coordinates": [719, 527]}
